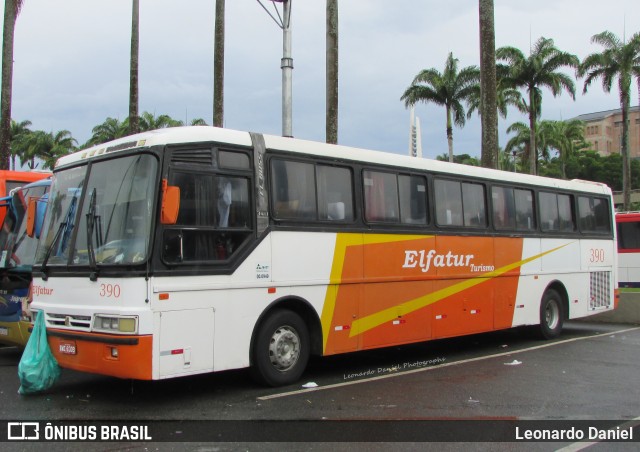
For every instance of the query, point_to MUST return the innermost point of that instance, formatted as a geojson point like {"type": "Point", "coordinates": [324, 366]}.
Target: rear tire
{"type": "Point", "coordinates": [551, 314]}
{"type": "Point", "coordinates": [281, 349]}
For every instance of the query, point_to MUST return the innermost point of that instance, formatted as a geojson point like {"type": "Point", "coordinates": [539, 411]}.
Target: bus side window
{"type": "Point", "coordinates": [335, 193]}
{"type": "Point", "coordinates": [293, 190]}
{"type": "Point", "coordinates": [448, 198]}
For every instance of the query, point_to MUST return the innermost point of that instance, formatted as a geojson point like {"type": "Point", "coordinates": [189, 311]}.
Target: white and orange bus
{"type": "Point", "coordinates": [191, 250]}
{"type": "Point", "coordinates": [628, 234]}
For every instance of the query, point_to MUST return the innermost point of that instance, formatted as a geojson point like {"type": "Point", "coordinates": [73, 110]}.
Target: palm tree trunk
{"type": "Point", "coordinates": [624, 151]}
{"type": "Point", "coordinates": [134, 126]}
{"type": "Point", "coordinates": [7, 82]}
{"type": "Point", "coordinates": [218, 66]}
{"type": "Point", "coordinates": [488, 94]}
{"type": "Point", "coordinates": [332, 72]}
{"type": "Point", "coordinates": [450, 133]}
{"type": "Point", "coordinates": [533, 152]}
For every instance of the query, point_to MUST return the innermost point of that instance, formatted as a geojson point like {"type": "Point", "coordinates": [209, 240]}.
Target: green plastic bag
{"type": "Point", "coordinates": [38, 369]}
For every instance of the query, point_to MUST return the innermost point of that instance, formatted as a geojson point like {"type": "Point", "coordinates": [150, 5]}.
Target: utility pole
{"type": "Point", "coordinates": [286, 63]}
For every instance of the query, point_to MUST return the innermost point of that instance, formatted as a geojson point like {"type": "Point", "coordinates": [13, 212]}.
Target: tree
{"type": "Point", "coordinates": [566, 137]}
{"type": "Point", "coordinates": [622, 61]}
{"type": "Point", "coordinates": [218, 66]}
{"type": "Point", "coordinates": [449, 88]}
{"type": "Point", "coordinates": [539, 70]}
{"type": "Point", "coordinates": [150, 122]}
{"type": "Point", "coordinates": [506, 96]}
{"type": "Point", "coordinates": [48, 147]}
{"type": "Point", "coordinates": [19, 135]}
{"type": "Point", "coordinates": [133, 77]}
{"type": "Point", "coordinates": [488, 105]}
{"type": "Point", "coordinates": [11, 11]}
{"type": "Point", "coordinates": [463, 159]}
{"type": "Point", "coordinates": [109, 130]}
{"type": "Point", "coordinates": [520, 143]}
{"type": "Point", "coordinates": [332, 72]}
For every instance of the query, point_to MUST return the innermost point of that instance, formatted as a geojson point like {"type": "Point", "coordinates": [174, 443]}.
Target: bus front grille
{"type": "Point", "coordinates": [78, 322]}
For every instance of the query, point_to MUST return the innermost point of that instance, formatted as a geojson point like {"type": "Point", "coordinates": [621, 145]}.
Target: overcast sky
{"type": "Point", "coordinates": [71, 67]}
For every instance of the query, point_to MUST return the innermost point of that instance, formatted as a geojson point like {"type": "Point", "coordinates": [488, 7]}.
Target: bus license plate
{"type": "Point", "coordinates": [4, 331]}
{"type": "Point", "coordinates": [68, 348]}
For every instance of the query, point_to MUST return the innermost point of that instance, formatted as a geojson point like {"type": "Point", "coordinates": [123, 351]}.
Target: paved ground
{"type": "Point", "coordinates": [489, 380]}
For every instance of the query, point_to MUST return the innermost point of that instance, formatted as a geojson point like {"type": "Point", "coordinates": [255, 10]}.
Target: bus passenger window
{"type": "Point", "coordinates": [381, 196]}
{"type": "Point", "coordinates": [556, 212]}
{"type": "Point", "coordinates": [335, 194]}
{"type": "Point", "coordinates": [504, 216]}
{"type": "Point", "coordinates": [413, 199]}
{"type": "Point", "coordinates": [448, 200]}
{"type": "Point", "coordinates": [525, 220]}
{"type": "Point", "coordinates": [474, 205]}
{"type": "Point", "coordinates": [594, 214]}
{"type": "Point", "coordinates": [293, 190]}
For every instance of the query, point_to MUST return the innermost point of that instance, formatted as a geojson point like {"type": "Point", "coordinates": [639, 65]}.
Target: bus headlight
{"type": "Point", "coordinates": [115, 324]}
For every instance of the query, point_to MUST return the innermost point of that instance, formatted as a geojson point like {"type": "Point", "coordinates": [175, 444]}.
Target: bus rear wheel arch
{"type": "Point", "coordinates": [552, 313]}
{"type": "Point", "coordinates": [281, 348]}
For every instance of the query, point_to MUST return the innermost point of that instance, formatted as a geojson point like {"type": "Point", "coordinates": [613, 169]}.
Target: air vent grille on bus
{"type": "Point", "coordinates": [600, 290]}
{"type": "Point", "coordinates": [69, 321]}
{"type": "Point", "coordinates": [192, 156]}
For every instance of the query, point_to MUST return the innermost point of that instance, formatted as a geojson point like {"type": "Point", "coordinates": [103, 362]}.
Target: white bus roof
{"type": "Point", "coordinates": [197, 134]}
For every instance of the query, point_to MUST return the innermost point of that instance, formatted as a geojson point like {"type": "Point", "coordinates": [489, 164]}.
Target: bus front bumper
{"type": "Point", "coordinates": [127, 357]}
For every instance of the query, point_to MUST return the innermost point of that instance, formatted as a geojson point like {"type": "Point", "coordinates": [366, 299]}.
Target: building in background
{"type": "Point", "coordinates": [604, 131]}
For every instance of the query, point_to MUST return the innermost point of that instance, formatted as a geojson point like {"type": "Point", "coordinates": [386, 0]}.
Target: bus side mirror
{"type": "Point", "coordinates": [170, 203]}
{"type": "Point", "coordinates": [32, 207]}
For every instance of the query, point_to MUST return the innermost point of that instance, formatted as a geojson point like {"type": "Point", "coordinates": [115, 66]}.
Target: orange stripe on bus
{"type": "Point", "coordinates": [93, 356]}
{"type": "Point", "coordinates": [376, 279]}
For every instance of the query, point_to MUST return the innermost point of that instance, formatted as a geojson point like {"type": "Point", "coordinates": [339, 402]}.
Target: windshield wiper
{"type": "Point", "coordinates": [91, 221]}
{"type": "Point", "coordinates": [62, 227]}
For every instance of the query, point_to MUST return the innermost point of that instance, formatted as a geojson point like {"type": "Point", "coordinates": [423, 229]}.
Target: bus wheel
{"type": "Point", "coordinates": [281, 349]}
{"type": "Point", "coordinates": [551, 315]}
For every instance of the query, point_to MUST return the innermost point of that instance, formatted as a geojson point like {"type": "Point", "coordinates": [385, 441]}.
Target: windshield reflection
{"type": "Point", "coordinates": [113, 225]}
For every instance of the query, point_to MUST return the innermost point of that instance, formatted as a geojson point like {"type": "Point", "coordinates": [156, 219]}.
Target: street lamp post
{"type": "Point", "coordinates": [286, 63]}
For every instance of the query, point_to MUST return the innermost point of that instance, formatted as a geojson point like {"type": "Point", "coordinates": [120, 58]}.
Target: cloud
{"type": "Point", "coordinates": [72, 62]}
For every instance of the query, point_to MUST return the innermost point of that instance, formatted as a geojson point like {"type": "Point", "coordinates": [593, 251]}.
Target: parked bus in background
{"type": "Point", "coordinates": [628, 233]}
{"type": "Point", "coordinates": [10, 180]}
{"type": "Point", "coordinates": [17, 252]}
{"type": "Point", "coordinates": [198, 249]}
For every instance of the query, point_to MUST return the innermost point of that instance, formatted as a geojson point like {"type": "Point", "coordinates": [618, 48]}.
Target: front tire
{"type": "Point", "coordinates": [281, 349]}
{"type": "Point", "coordinates": [551, 315]}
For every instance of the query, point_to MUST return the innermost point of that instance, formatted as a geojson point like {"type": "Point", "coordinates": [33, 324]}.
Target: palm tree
{"type": "Point", "coordinates": [133, 67]}
{"type": "Point", "coordinates": [11, 11]}
{"type": "Point", "coordinates": [47, 147]}
{"type": "Point", "coordinates": [218, 66]}
{"type": "Point", "coordinates": [332, 72]}
{"type": "Point", "coordinates": [520, 143]}
{"type": "Point", "coordinates": [540, 69]}
{"type": "Point", "coordinates": [150, 122]}
{"type": "Point", "coordinates": [488, 83]}
{"type": "Point", "coordinates": [505, 97]}
{"type": "Point", "coordinates": [566, 137]}
{"type": "Point", "coordinates": [109, 130]}
{"type": "Point", "coordinates": [619, 60]}
{"type": "Point", "coordinates": [449, 88]}
{"type": "Point", "coordinates": [19, 134]}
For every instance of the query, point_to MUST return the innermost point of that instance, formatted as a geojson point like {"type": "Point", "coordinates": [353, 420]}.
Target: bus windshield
{"type": "Point", "coordinates": [16, 249]}
{"type": "Point", "coordinates": [113, 224]}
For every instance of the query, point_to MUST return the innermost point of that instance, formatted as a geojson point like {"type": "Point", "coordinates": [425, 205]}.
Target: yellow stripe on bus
{"type": "Point", "coordinates": [367, 323]}
{"type": "Point", "coordinates": [343, 241]}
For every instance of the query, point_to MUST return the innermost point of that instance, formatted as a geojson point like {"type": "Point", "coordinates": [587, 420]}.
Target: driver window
{"type": "Point", "coordinates": [214, 217]}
